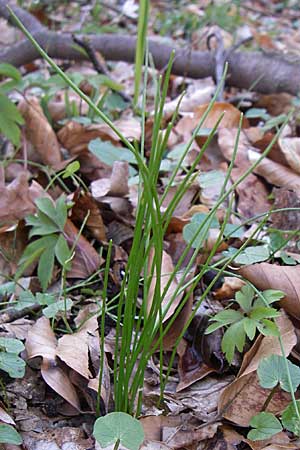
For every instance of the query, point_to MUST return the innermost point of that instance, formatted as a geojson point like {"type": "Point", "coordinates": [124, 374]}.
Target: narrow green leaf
{"type": "Point", "coordinates": [227, 316]}
{"type": "Point", "coordinates": [290, 419]}
{"type": "Point", "coordinates": [8, 435]}
{"type": "Point", "coordinates": [262, 312]}
{"type": "Point", "coordinates": [249, 327]}
{"type": "Point", "coordinates": [45, 267]}
{"type": "Point", "coordinates": [10, 71]}
{"type": "Point", "coordinates": [244, 297]}
{"type": "Point", "coordinates": [234, 337]}
{"type": "Point", "coordinates": [62, 251]}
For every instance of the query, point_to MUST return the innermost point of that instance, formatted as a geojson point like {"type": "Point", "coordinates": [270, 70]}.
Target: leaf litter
{"type": "Point", "coordinates": [207, 403]}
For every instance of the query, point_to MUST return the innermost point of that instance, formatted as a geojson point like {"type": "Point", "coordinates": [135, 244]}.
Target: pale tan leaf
{"type": "Point", "coordinates": [58, 380]}
{"type": "Point", "coordinates": [86, 260]}
{"type": "Point", "coordinates": [252, 194]}
{"type": "Point", "coordinates": [167, 271]}
{"type": "Point", "coordinates": [41, 340]}
{"type": "Point", "coordinates": [76, 137]}
{"type": "Point", "coordinates": [39, 132]}
{"type": "Point", "coordinates": [16, 200]}
{"type": "Point", "coordinates": [284, 278]}
{"type": "Point", "coordinates": [290, 147]}
{"type": "Point", "coordinates": [85, 203]}
{"type": "Point", "coordinates": [227, 140]}
{"type": "Point", "coordinates": [4, 417]}
{"type": "Point", "coordinates": [116, 185]}
{"type": "Point", "coordinates": [275, 173]}
{"type": "Point", "coordinates": [73, 348]}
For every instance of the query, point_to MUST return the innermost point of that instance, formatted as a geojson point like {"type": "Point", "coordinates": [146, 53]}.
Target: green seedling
{"type": "Point", "coordinates": [242, 323]}
{"type": "Point", "coordinates": [48, 223]}
{"type": "Point", "coordinates": [276, 372]}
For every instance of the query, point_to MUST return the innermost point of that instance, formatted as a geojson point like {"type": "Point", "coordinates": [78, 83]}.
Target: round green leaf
{"type": "Point", "coordinates": [272, 371]}
{"type": "Point", "coordinates": [8, 435]}
{"type": "Point", "coordinates": [265, 424]}
{"type": "Point", "coordinates": [119, 426]}
{"type": "Point", "coordinates": [290, 420]}
{"type": "Point", "coordinates": [12, 364]}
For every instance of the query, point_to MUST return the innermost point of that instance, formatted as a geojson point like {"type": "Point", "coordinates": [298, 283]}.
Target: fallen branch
{"type": "Point", "coordinates": [267, 73]}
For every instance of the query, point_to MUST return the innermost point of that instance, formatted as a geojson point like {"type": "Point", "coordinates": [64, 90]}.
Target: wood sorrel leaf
{"type": "Point", "coordinates": [119, 426]}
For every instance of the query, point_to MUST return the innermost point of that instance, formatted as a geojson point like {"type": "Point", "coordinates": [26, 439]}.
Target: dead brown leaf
{"type": "Point", "coordinates": [17, 198]}
{"type": "Point", "coordinates": [285, 278]}
{"type": "Point", "coordinates": [41, 341]}
{"type": "Point", "coordinates": [86, 260]}
{"type": "Point", "coordinates": [290, 147]}
{"type": "Point", "coordinates": [167, 270]}
{"type": "Point", "coordinates": [84, 203]}
{"type": "Point", "coordinates": [227, 140]}
{"type": "Point", "coordinates": [73, 349]}
{"type": "Point", "coordinates": [252, 194]}
{"type": "Point", "coordinates": [40, 133]}
{"type": "Point", "coordinates": [76, 137]}
{"type": "Point", "coordinates": [115, 186]}
{"type": "Point", "coordinates": [275, 173]}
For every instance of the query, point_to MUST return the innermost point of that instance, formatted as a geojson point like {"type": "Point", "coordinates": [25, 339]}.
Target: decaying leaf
{"type": "Point", "coordinates": [40, 133]}
{"type": "Point", "coordinates": [284, 278]}
{"type": "Point", "coordinates": [86, 260]}
{"type": "Point", "coordinates": [41, 341]}
{"type": "Point", "coordinates": [275, 173]}
{"type": "Point", "coordinates": [17, 198]}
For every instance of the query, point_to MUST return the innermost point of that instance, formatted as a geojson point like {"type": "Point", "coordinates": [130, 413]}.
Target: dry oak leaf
{"type": "Point", "coordinates": [284, 278]}
{"type": "Point", "coordinates": [275, 173]}
{"type": "Point", "coordinates": [76, 137]}
{"type": "Point", "coordinates": [17, 198]}
{"type": "Point", "coordinates": [86, 260]}
{"type": "Point", "coordinates": [290, 147]}
{"type": "Point", "coordinates": [41, 341]}
{"type": "Point", "coordinates": [40, 133]}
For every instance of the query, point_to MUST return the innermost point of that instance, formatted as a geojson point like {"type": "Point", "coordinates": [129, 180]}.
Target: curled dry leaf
{"type": "Point", "coordinates": [115, 186]}
{"type": "Point", "coordinates": [73, 349]}
{"type": "Point", "coordinates": [227, 139]}
{"type": "Point", "coordinates": [76, 137]}
{"type": "Point", "coordinates": [252, 194]}
{"type": "Point", "coordinates": [86, 260]}
{"type": "Point", "coordinates": [40, 133]}
{"type": "Point", "coordinates": [4, 417]}
{"type": "Point", "coordinates": [85, 203]}
{"type": "Point", "coordinates": [290, 147]}
{"type": "Point", "coordinates": [41, 341]}
{"type": "Point", "coordinates": [284, 278]}
{"type": "Point", "coordinates": [275, 173]}
{"type": "Point", "coordinates": [244, 398]}
{"type": "Point", "coordinates": [289, 219]}
{"type": "Point", "coordinates": [176, 431]}
{"type": "Point", "coordinates": [17, 198]}
{"type": "Point", "coordinates": [167, 269]}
